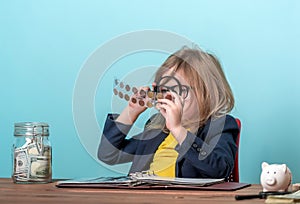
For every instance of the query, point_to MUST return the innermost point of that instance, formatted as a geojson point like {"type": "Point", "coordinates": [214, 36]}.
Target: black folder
{"type": "Point", "coordinates": [152, 182]}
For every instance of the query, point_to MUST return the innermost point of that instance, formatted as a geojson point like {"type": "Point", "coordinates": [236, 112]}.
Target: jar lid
{"type": "Point", "coordinates": [31, 129]}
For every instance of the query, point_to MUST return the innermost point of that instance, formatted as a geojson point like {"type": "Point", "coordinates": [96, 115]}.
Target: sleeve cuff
{"type": "Point", "coordinates": [124, 128]}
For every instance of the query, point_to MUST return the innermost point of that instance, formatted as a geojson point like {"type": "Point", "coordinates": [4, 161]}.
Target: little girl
{"type": "Point", "coordinates": [192, 134]}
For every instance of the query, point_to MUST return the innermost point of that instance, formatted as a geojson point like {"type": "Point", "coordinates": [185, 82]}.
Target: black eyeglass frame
{"type": "Point", "coordinates": [159, 87]}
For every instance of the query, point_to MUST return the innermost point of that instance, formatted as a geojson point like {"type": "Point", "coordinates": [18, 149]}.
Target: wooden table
{"type": "Point", "coordinates": [48, 193]}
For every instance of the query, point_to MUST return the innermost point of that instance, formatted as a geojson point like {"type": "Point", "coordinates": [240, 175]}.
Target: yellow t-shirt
{"type": "Point", "coordinates": [164, 160]}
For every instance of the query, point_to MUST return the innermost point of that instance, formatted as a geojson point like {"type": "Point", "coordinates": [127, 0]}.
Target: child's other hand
{"type": "Point", "coordinates": [137, 102]}
{"type": "Point", "coordinates": [171, 109]}
{"type": "Point", "coordinates": [134, 108]}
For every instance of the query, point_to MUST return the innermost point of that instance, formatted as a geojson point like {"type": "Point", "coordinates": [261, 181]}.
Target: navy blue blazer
{"type": "Point", "coordinates": [208, 154]}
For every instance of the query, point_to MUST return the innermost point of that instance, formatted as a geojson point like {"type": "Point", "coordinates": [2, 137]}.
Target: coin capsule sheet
{"type": "Point", "coordinates": [141, 97]}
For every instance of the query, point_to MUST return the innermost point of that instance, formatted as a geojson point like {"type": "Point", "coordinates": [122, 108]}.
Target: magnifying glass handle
{"type": "Point", "coordinates": [244, 197]}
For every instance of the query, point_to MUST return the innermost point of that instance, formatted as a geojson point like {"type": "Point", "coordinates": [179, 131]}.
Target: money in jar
{"type": "Point", "coordinates": [32, 153]}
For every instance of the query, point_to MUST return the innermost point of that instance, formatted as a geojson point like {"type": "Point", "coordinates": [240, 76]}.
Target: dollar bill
{"type": "Point", "coordinates": [32, 164]}
{"type": "Point", "coordinates": [21, 164]}
{"type": "Point", "coordinates": [40, 167]}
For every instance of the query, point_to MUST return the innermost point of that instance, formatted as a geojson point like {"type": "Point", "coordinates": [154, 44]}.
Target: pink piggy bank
{"type": "Point", "coordinates": [275, 177]}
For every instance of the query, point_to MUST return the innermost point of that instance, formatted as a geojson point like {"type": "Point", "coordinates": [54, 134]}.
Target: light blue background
{"type": "Point", "coordinates": [44, 44]}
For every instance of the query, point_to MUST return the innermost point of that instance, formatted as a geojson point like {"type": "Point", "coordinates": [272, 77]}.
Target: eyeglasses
{"type": "Point", "coordinates": [181, 90]}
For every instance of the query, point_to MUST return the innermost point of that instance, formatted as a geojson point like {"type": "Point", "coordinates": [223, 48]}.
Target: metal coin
{"type": "Point", "coordinates": [127, 87]}
{"type": "Point", "coordinates": [116, 91]}
{"type": "Point", "coordinates": [150, 94]}
{"type": "Point", "coordinates": [149, 104]}
{"type": "Point", "coordinates": [159, 96]}
{"type": "Point", "coordinates": [134, 90]}
{"type": "Point", "coordinates": [133, 100]}
{"type": "Point", "coordinates": [141, 103]}
{"type": "Point", "coordinates": [127, 97]}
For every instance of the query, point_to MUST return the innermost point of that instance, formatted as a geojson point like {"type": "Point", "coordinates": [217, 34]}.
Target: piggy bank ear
{"type": "Point", "coordinates": [264, 165]}
{"type": "Point", "coordinates": [283, 167]}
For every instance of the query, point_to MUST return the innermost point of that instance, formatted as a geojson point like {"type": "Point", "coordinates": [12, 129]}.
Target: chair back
{"type": "Point", "coordinates": [234, 176]}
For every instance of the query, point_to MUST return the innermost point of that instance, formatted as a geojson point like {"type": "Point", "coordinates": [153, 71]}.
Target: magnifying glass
{"type": "Point", "coordinates": [260, 195]}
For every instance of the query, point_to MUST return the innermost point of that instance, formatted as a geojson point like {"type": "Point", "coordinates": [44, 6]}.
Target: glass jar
{"type": "Point", "coordinates": [32, 153]}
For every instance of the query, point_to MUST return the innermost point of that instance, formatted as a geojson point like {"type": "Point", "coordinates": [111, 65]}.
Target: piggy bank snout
{"type": "Point", "coordinates": [270, 181]}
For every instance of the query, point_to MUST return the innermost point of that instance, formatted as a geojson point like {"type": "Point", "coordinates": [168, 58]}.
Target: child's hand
{"type": "Point", "coordinates": [138, 100]}
{"type": "Point", "coordinates": [171, 109]}
{"type": "Point", "coordinates": [134, 108]}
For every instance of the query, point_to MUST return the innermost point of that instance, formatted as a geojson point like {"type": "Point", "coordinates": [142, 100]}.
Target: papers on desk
{"type": "Point", "coordinates": [287, 198]}
{"type": "Point", "coordinates": [121, 180]}
{"type": "Point", "coordinates": [135, 179]}
{"type": "Point", "coordinates": [146, 181]}
{"type": "Point", "coordinates": [152, 179]}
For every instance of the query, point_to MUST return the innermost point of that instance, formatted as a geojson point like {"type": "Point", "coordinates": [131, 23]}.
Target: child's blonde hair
{"type": "Point", "coordinates": [205, 75]}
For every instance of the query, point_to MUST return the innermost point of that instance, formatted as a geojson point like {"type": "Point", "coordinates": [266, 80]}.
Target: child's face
{"type": "Point", "coordinates": [178, 84]}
